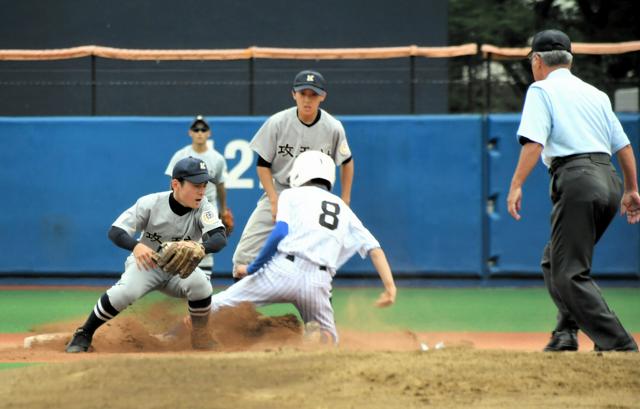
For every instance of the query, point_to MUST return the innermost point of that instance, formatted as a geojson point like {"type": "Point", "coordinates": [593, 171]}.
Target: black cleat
{"type": "Point", "coordinates": [566, 340]}
{"type": "Point", "coordinates": [80, 342]}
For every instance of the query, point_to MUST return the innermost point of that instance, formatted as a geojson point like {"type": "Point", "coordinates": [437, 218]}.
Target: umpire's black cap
{"type": "Point", "coordinates": [199, 123]}
{"type": "Point", "coordinates": [192, 169]}
{"type": "Point", "coordinates": [550, 40]}
{"type": "Point", "coordinates": [309, 79]}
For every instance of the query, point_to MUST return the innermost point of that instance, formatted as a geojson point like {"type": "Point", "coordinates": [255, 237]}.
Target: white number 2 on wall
{"type": "Point", "coordinates": [234, 179]}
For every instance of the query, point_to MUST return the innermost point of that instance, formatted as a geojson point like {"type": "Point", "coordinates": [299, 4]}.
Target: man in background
{"type": "Point", "coordinates": [201, 147]}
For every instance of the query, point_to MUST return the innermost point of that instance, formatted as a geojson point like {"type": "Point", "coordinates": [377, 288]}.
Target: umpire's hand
{"type": "Point", "coordinates": [630, 205]}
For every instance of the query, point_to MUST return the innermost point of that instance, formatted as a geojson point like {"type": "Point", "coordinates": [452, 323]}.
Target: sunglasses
{"type": "Point", "coordinates": [200, 130]}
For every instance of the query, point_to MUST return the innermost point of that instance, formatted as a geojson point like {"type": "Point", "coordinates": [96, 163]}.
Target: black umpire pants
{"type": "Point", "coordinates": [585, 191]}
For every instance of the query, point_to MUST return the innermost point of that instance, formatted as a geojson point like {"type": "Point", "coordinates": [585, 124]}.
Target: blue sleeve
{"type": "Point", "coordinates": [270, 247]}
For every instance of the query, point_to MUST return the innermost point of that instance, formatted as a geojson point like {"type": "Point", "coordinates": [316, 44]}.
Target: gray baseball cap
{"type": "Point", "coordinates": [192, 169]}
{"type": "Point", "coordinates": [309, 79]}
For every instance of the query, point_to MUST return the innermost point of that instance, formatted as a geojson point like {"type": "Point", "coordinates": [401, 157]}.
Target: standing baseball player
{"type": "Point", "coordinates": [315, 234]}
{"type": "Point", "coordinates": [166, 256]}
{"type": "Point", "coordinates": [278, 142]}
{"type": "Point", "coordinates": [202, 148]}
{"type": "Point", "coordinates": [571, 124]}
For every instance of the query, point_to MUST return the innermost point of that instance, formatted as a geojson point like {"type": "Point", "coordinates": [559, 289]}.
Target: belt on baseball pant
{"type": "Point", "coordinates": [292, 258]}
{"type": "Point", "coordinates": [560, 161]}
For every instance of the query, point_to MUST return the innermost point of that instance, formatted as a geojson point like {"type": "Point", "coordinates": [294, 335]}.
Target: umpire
{"type": "Point", "coordinates": [572, 125]}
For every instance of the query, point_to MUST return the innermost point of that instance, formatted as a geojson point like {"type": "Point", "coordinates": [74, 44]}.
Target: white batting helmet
{"type": "Point", "coordinates": [311, 165]}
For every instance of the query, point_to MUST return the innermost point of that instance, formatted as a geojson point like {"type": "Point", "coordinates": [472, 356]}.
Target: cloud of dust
{"type": "Point", "coordinates": [360, 313]}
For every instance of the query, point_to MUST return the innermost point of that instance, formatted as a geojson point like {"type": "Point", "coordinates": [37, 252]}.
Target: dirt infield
{"type": "Point", "coordinates": [264, 362]}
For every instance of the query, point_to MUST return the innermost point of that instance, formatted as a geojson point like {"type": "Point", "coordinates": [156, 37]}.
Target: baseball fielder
{"type": "Point", "coordinates": [174, 220]}
{"type": "Point", "coordinates": [315, 234]}
{"type": "Point", "coordinates": [278, 142]}
{"type": "Point", "coordinates": [200, 132]}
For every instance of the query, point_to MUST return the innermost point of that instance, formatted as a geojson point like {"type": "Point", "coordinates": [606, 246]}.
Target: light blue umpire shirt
{"type": "Point", "coordinates": [567, 116]}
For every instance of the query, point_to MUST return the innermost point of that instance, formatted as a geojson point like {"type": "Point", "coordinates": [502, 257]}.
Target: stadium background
{"type": "Point", "coordinates": [83, 138]}
{"type": "Point", "coordinates": [221, 87]}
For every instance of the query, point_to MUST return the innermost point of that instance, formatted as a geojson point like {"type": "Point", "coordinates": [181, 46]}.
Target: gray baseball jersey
{"type": "Point", "coordinates": [216, 164]}
{"type": "Point", "coordinates": [283, 137]}
{"type": "Point", "coordinates": [279, 141]}
{"type": "Point", "coordinates": [323, 234]}
{"type": "Point", "coordinates": [152, 216]}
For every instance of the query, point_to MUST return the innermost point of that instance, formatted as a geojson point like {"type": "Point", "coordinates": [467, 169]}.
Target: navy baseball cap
{"type": "Point", "coordinates": [309, 79]}
{"type": "Point", "coordinates": [199, 123]}
{"type": "Point", "coordinates": [550, 40]}
{"type": "Point", "coordinates": [192, 169]}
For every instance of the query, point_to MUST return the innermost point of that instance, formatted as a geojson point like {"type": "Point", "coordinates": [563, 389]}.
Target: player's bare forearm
{"type": "Point", "coordinates": [628, 166]}
{"type": "Point", "coordinates": [266, 178]}
{"type": "Point", "coordinates": [222, 198]}
{"type": "Point", "coordinates": [381, 265]}
{"type": "Point", "coordinates": [346, 180]}
{"type": "Point", "coordinates": [529, 155]}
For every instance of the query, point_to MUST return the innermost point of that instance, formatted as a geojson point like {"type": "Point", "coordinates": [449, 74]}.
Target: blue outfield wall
{"type": "Point", "coordinates": [422, 186]}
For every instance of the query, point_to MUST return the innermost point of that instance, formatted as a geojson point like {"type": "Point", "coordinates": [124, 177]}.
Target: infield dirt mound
{"type": "Point", "coordinates": [263, 362]}
{"type": "Point", "coordinates": [242, 329]}
{"type": "Point", "coordinates": [286, 378]}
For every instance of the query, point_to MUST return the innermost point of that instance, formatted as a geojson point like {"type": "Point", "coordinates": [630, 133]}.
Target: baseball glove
{"type": "Point", "coordinates": [227, 220]}
{"type": "Point", "coordinates": [179, 257]}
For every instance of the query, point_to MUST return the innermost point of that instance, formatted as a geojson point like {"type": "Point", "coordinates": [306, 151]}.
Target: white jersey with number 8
{"type": "Point", "coordinates": [323, 233]}
{"type": "Point", "coordinates": [322, 228]}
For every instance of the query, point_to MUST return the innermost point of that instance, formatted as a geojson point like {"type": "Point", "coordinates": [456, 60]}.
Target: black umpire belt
{"type": "Point", "coordinates": [292, 258]}
{"type": "Point", "coordinates": [560, 161]}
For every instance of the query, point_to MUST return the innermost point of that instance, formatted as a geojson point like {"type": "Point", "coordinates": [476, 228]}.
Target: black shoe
{"type": "Point", "coordinates": [80, 342]}
{"type": "Point", "coordinates": [566, 340]}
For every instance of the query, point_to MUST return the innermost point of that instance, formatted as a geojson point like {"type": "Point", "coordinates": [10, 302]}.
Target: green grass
{"type": "Point", "coordinates": [468, 309]}
{"type": "Point", "coordinates": [13, 365]}
{"type": "Point", "coordinates": [417, 309]}
{"type": "Point", "coordinates": [21, 310]}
